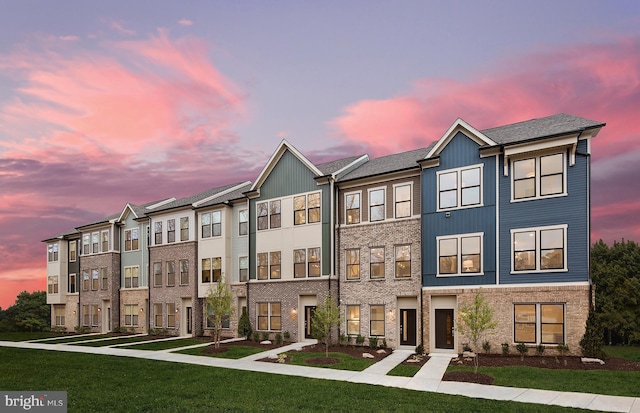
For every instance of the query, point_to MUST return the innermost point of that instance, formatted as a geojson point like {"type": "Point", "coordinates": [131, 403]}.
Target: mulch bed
{"type": "Point", "coordinates": [545, 362]}
{"type": "Point", "coordinates": [245, 343]}
{"type": "Point", "coordinates": [422, 362]}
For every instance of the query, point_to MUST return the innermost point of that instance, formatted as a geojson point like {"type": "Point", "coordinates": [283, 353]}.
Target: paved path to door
{"type": "Point", "coordinates": [429, 378]}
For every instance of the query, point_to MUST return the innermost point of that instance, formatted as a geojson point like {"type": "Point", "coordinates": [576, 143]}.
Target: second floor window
{"type": "Point", "coordinates": [171, 273]}
{"type": "Point", "coordinates": [538, 177]}
{"type": "Point", "coordinates": [403, 261]}
{"type": "Point", "coordinates": [402, 198]}
{"type": "Point", "coordinates": [86, 244]}
{"type": "Point", "coordinates": [269, 214]}
{"type": "Point", "coordinates": [105, 241]}
{"type": "Point", "coordinates": [171, 230]}
{"type": "Point", "coordinates": [376, 263]}
{"type": "Point", "coordinates": [52, 252]}
{"type": "Point", "coordinates": [94, 279]}
{"type": "Point", "coordinates": [184, 229]}
{"type": "Point", "coordinates": [95, 245]}
{"type": "Point", "coordinates": [72, 283]}
{"type": "Point", "coordinates": [184, 272]}
{"type": "Point", "coordinates": [131, 277]}
{"type": "Point", "coordinates": [158, 233]}
{"type": "Point", "coordinates": [376, 205]}
{"type": "Point", "coordinates": [269, 265]}
{"type": "Point", "coordinates": [72, 250]}
{"type": "Point", "coordinates": [243, 269]}
{"type": "Point", "coordinates": [157, 274]}
{"type": "Point", "coordinates": [352, 208]}
{"type": "Point", "coordinates": [306, 262]}
{"type": "Point", "coordinates": [243, 222]}
{"type": "Point", "coordinates": [353, 264]}
{"type": "Point", "coordinates": [131, 241]}
{"type": "Point", "coordinates": [211, 269]}
{"type": "Point", "coordinates": [274, 214]}
{"type": "Point", "coordinates": [460, 254]}
{"type": "Point", "coordinates": [85, 280]}
{"type": "Point", "coordinates": [460, 188]}
{"type": "Point", "coordinates": [539, 249]}
{"type": "Point", "coordinates": [52, 284]}
{"type": "Point", "coordinates": [211, 224]}
{"type": "Point", "coordinates": [104, 279]}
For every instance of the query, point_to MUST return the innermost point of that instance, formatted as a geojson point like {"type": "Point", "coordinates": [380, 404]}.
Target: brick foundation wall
{"type": "Point", "coordinates": [110, 261]}
{"type": "Point", "coordinates": [139, 296]}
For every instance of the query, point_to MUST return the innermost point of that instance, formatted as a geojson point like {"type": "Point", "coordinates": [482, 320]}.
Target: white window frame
{"type": "Point", "coordinates": [102, 241]}
{"type": "Point", "coordinates": [538, 187]}
{"type": "Point", "coordinates": [53, 284]}
{"type": "Point", "coordinates": [458, 238]}
{"type": "Point", "coordinates": [131, 310]}
{"type": "Point", "coordinates": [538, 322]}
{"type": "Point", "coordinates": [131, 268]}
{"type": "Point", "coordinates": [395, 186]}
{"type": "Point", "coordinates": [86, 244]}
{"type": "Point", "coordinates": [240, 269]}
{"type": "Point", "coordinates": [53, 252]}
{"type": "Point", "coordinates": [246, 222]}
{"type": "Point", "coordinates": [459, 187]}
{"type": "Point", "coordinates": [73, 249]}
{"type": "Point", "coordinates": [269, 316]}
{"type": "Point", "coordinates": [131, 231]}
{"type": "Point", "coordinates": [537, 230]}
{"type": "Point", "coordinates": [384, 203]}
{"type": "Point", "coordinates": [359, 193]}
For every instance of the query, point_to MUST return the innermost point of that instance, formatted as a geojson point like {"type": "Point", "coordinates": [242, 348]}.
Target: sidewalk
{"type": "Point", "coordinates": [429, 378]}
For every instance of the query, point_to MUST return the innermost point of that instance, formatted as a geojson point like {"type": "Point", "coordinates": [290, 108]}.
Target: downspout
{"type": "Point", "coordinates": [148, 270]}
{"type": "Point", "coordinates": [421, 262]}
{"type": "Point", "coordinates": [336, 250]}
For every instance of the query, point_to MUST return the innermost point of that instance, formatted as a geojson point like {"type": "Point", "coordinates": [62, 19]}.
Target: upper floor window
{"type": "Point", "coordinates": [460, 254]}
{"type": "Point", "coordinates": [171, 273]}
{"type": "Point", "coordinates": [105, 241]}
{"type": "Point", "coordinates": [269, 265]}
{"type": "Point", "coordinates": [275, 264]}
{"type": "Point", "coordinates": [403, 261]}
{"type": "Point", "coordinates": [171, 230]}
{"type": "Point", "coordinates": [538, 176]}
{"type": "Point", "coordinates": [262, 211]}
{"type": "Point", "coordinates": [306, 208]}
{"type": "Point", "coordinates": [104, 279]}
{"type": "Point", "coordinates": [269, 214]}
{"type": "Point", "coordinates": [52, 252]}
{"type": "Point", "coordinates": [131, 241]}
{"type": "Point", "coordinates": [306, 262]}
{"type": "Point", "coordinates": [352, 206]}
{"type": "Point", "coordinates": [274, 214]}
{"type": "Point", "coordinates": [72, 251]}
{"type": "Point", "coordinates": [539, 249]}
{"type": "Point", "coordinates": [72, 283]}
{"type": "Point", "coordinates": [94, 279]}
{"type": "Point", "coordinates": [211, 269]}
{"type": "Point", "coordinates": [86, 244]}
{"type": "Point", "coordinates": [85, 280]}
{"type": "Point", "coordinates": [52, 284]}
{"type": "Point", "coordinates": [131, 277]}
{"type": "Point", "coordinates": [184, 272]}
{"type": "Point", "coordinates": [184, 229]}
{"type": "Point", "coordinates": [376, 263]}
{"type": "Point", "coordinates": [243, 268]}
{"type": "Point", "coordinates": [157, 274]}
{"type": "Point", "coordinates": [243, 222]}
{"type": "Point", "coordinates": [460, 188]}
{"type": "Point", "coordinates": [95, 245]}
{"type": "Point", "coordinates": [376, 205]}
{"type": "Point", "coordinates": [402, 199]}
{"type": "Point", "coordinates": [158, 232]}
{"type": "Point", "coordinates": [211, 224]}
{"type": "Point", "coordinates": [353, 264]}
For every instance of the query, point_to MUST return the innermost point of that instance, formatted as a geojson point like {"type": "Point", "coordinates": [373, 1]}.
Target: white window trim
{"type": "Point", "coordinates": [359, 208]}
{"type": "Point", "coordinates": [459, 188]}
{"type": "Point", "coordinates": [410, 184]}
{"type": "Point", "coordinates": [108, 240]}
{"type": "Point", "coordinates": [537, 157]}
{"type": "Point", "coordinates": [537, 230]}
{"type": "Point", "coordinates": [538, 326]}
{"type": "Point", "coordinates": [240, 257]}
{"type": "Point", "coordinates": [459, 252]}
{"type": "Point", "coordinates": [247, 221]}
{"type": "Point", "coordinates": [124, 278]}
{"type": "Point", "coordinates": [384, 204]}
{"type": "Point", "coordinates": [269, 214]}
{"type": "Point", "coordinates": [75, 242]}
{"type": "Point", "coordinates": [269, 315]}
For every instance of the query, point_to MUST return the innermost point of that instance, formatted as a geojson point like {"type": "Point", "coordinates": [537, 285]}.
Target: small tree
{"type": "Point", "coordinates": [325, 318]}
{"type": "Point", "coordinates": [244, 324]}
{"type": "Point", "coordinates": [592, 341]}
{"type": "Point", "coordinates": [219, 302]}
{"type": "Point", "coordinates": [476, 320]}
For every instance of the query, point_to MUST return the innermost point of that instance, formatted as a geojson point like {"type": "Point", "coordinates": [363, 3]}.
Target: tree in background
{"type": "Point", "coordinates": [219, 303]}
{"type": "Point", "coordinates": [615, 271]}
{"type": "Point", "coordinates": [326, 317]}
{"type": "Point", "coordinates": [30, 312]}
{"type": "Point", "coordinates": [476, 320]}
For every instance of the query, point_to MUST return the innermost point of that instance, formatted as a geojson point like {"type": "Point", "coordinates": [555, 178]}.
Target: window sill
{"type": "Point", "coordinates": [459, 208]}
{"type": "Point", "coordinates": [474, 274]}
{"type": "Point", "coordinates": [536, 198]}
{"type": "Point", "coordinates": [538, 271]}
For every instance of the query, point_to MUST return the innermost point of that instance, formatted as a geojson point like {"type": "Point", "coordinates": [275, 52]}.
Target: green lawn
{"type": "Point", "coordinates": [72, 339]}
{"type": "Point", "coordinates": [105, 343]}
{"type": "Point", "coordinates": [97, 383]}
{"type": "Point", "coordinates": [347, 362]}
{"type": "Point", "coordinates": [234, 352]}
{"type": "Point", "coordinates": [21, 336]}
{"type": "Point", "coordinates": [165, 345]}
{"type": "Point", "coordinates": [615, 383]}
{"type": "Point", "coordinates": [623, 352]}
{"type": "Point", "coordinates": [404, 370]}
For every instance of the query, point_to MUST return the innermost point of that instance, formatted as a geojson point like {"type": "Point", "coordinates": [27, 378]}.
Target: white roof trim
{"type": "Point", "coordinates": [284, 145]}
{"type": "Point", "coordinates": [219, 194]}
{"type": "Point", "coordinates": [364, 158]}
{"type": "Point", "coordinates": [122, 214]}
{"type": "Point", "coordinates": [459, 125]}
{"type": "Point", "coordinates": [156, 205]}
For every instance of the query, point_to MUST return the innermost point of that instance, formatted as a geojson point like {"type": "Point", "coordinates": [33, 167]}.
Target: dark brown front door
{"type": "Point", "coordinates": [407, 327]}
{"type": "Point", "coordinates": [189, 320]}
{"type": "Point", "coordinates": [444, 328]}
{"type": "Point", "coordinates": [309, 311]}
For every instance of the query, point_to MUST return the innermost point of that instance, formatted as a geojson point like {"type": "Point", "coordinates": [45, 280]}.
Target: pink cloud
{"type": "Point", "coordinates": [118, 27]}
{"type": "Point", "coordinates": [185, 22]}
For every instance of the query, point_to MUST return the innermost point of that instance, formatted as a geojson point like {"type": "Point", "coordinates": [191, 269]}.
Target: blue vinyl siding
{"type": "Point", "coordinates": [133, 258]}
{"type": "Point", "coordinates": [460, 151]}
{"type": "Point", "coordinates": [571, 210]}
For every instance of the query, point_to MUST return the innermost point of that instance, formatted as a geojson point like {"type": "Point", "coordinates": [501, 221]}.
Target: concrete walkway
{"type": "Point", "coordinates": [429, 378]}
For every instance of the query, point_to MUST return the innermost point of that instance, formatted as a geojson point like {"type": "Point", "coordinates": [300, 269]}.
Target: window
{"type": "Point", "coordinates": [539, 249]}
{"type": "Point", "coordinates": [157, 274]}
{"type": "Point", "coordinates": [352, 203]}
{"type": "Point", "coordinates": [131, 277]}
{"type": "Point", "coordinates": [376, 263]}
{"type": "Point", "coordinates": [313, 205]}
{"type": "Point", "coordinates": [353, 320]}
{"type": "Point", "coordinates": [226, 321]}
{"type": "Point", "coordinates": [206, 270]}
{"type": "Point", "coordinates": [460, 254]}
{"type": "Point", "coordinates": [403, 261]}
{"type": "Point", "coordinates": [274, 265]}
{"type": "Point", "coordinates": [274, 214]}
{"type": "Point", "coordinates": [376, 319]}
{"type": "Point", "coordinates": [86, 319]}
{"type": "Point", "coordinates": [59, 315]}
{"type": "Point", "coordinates": [299, 263]}
{"type": "Point", "coordinates": [72, 251]}
{"type": "Point", "coordinates": [105, 241]}
{"type": "Point", "coordinates": [268, 316]}
{"type": "Point", "coordinates": [52, 284]}
{"type": "Point", "coordinates": [158, 233]}
{"type": "Point", "coordinates": [72, 284]}
{"type": "Point", "coordinates": [94, 315]}
{"type": "Point", "coordinates": [131, 239]}
{"type": "Point", "coordinates": [313, 255]}
{"type": "Point", "coordinates": [184, 229]}
{"type": "Point", "coordinates": [171, 230]}
{"type": "Point", "coordinates": [104, 280]}
{"type": "Point", "coordinates": [171, 315]}
{"type": "Point", "coordinates": [538, 176]}
{"type": "Point", "coordinates": [243, 268]}
{"type": "Point", "coordinates": [211, 224]}
{"type": "Point", "coordinates": [85, 280]}
{"type": "Point", "coordinates": [243, 222]}
{"type": "Point", "coordinates": [353, 264]}
{"type": "Point", "coordinates": [545, 321]}
{"type": "Point", "coordinates": [216, 265]}
{"type": "Point", "coordinates": [94, 242]}
{"type": "Point", "coordinates": [94, 279]}
{"type": "Point", "coordinates": [263, 215]}
{"type": "Point", "coordinates": [402, 199]}
{"type": "Point", "coordinates": [376, 205]}
{"type": "Point", "coordinates": [171, 273]}
{"type": "Point", "coordinates": [460, 188]}
{"type": "Point", "coordinates": [211, 269]}
{"type": "Point", "coordinates": [184, 272]}
{"type": "Point", "coordinates": [52, 252]}
{"type": "Point", "coordinates": [157, 315]}
{"type": "Point", "coordinates": [86, 244]}
{"type": "Point", "coordinates": [306, 209]}
{"type": "Point", "coordinates": [263, 265]}
{"type": "Point", "coordinates": [131, 315]}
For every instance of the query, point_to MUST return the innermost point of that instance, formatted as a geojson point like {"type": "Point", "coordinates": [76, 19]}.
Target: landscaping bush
{"type": "Point", "coordinates": [563, 349]}
{"type": "Point", "coordinates": [359, 340]}
{"type": "Point", "coordinates": [384, 343]}
{"type": "Point", "coordinates": [539, 349]}
{"type": "Point", "coordinates": [85, 329]}
{"type": "Point", "coordinates": [287, 336]}
{"type": "Point", "coordinates": [256, 336]}
{"type": "Point", "coordinates": [486, 346]}
{"type": "Point", "coordinates": [344, 340]}
{"type": "Point", "coordinates": [420, 349]}
{"type": "Point", "coordinates": [58, 329]}
{"type": "Point", "coordinates": [244, 324]}
{"type": "Point", "coordinates": [592, 341]}
{"type": "Point", "coordinates": [505, 348]}
{"type": "Point", "coordinates": [373, 342]}
{"type": "Point", "coordinates": [265, 336]}
{"type": "Point", "coordinates": [522, 349]}
{"type": "Point", "coordinates": [278, 338]}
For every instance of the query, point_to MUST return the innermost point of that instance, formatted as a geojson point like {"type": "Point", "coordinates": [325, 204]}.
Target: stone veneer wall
{"type": "Point", "coordinates": [366, 292]}
{"type": "Point", "coordinates": [139, 297]}
{"type": "Point", "coordinates": [70, 318]}
{"type": "Point", "coordinates": [502, 299]}
{"type": "Point", "coordinates": [111, 261]}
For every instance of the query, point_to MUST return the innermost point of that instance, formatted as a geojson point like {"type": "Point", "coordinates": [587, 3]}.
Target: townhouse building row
{"type": "Point", "coordinates": [400, 242]}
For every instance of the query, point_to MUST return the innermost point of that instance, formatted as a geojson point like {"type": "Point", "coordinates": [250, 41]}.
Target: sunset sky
{"type": "Point", "coordinates": [104, 103]}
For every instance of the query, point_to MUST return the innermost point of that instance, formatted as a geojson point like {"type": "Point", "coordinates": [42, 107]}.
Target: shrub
{"type": "Point", "coordinates": [592, 341]}
{"type": "Point", "coordinates": [486, 346]}
{"type": "Point", "coordinates": [522, 349]}
{"type": "Point", "coordinates": [539, 349]}
{"type": "Point", "coordinates": [58, 329]}
{"type": "Point", "coordinates": [84, 329]}
{"type": "Point", "coordinates": [287, 336]}
{"type": "Point", "coordinates": [244, 324]}
{"type": "Point", "coordinates": [265, 336]}
{"type": "Point", "coordinates": [373, 342]}
{"type": "Point", "coordinates": [344, 340]}
{"type": "Point", "coordinates": [466, 347]}
{"type": "Point", "coordinates": [505, 348]}
{"type": "Point", "coordinates": [278, 338]}
{"type": "Point", "coordinates": [256, 336]}
{"type": "Point", "coordinates": [420, 349]}
{"type": "Point", "coordinates": [563, 349]}
{"type": "Point", "coordinates": [359, 340]}
{"type": "Point", "coordinates": [384, 343]}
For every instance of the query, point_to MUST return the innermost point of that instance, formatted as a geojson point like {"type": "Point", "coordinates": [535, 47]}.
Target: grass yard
{"type": "Point", "coordinates": [72, 339]}
{"type": "Point", "coordinates": [20, 336]}
{"type": "Point", "coordinates": [404, 370]}
{"type": "Point", "coordinates": [623, 352]}
{"type": "Point", "coordinates": [121, 340]}
{"type": "Point", "coordinates": [234, 352]}
{"type": "Point", "coordinates": [97, 383]}
{"type": "Point", "coordinates": [347, 362]}
{"type": "Point", "coordinates": [165, 345]}
{"type": "Point", "coordinates": [611, 382]}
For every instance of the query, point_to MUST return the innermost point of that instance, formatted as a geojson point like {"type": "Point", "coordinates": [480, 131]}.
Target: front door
{"type": "Point", "coordinates": [444, 328]}
{"type": "Point", "coordinates": [189, 315]}
{"type": "Point", "coordinates": [407, 327]}
{"type": "Point", "coordinates": [309, 311]}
